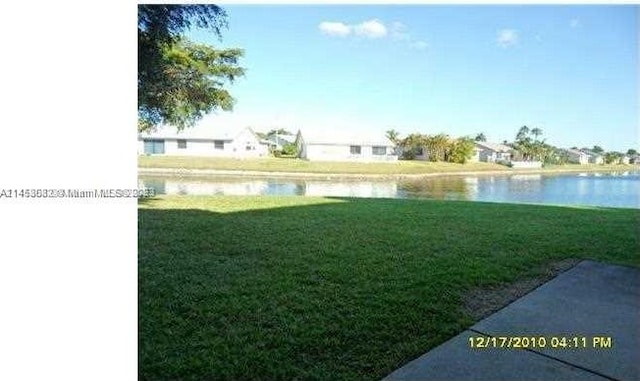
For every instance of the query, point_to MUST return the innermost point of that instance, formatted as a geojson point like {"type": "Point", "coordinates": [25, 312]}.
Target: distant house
{"type": "Point", "coordinates": [203, 140]}
{"type": "Point", "coordinates": [491, 152]}
{"type": "Point", "coordinates": [577, 156]}
{"type": "Point", "coordinates": [277, 142]}
{"type": "Point", "coordinates": [625, 159]}
{"type": "Point", "coordinates": [325, 146]}
{"type": "Point", "coordinates": [594, 158]}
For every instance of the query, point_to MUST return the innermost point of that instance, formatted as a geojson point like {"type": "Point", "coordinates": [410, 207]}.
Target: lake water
{"type": "Point", "coordinates": [612, 189]}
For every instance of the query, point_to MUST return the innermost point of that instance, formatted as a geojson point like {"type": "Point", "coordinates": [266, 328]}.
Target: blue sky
{"type": "Point", "coordinates": [570, 70]}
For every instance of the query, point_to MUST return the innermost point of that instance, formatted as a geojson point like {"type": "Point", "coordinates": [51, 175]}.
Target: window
{"type": "Point", "coordinates": [419, 151]}
{"type": "Point", "coordinates": [379, 150]}
{"type": "Point", "coordinates": [182, 144]}
{"type": "Point", "coordinates": [153, 146]}
{"type": "Point", "coordinates": [218, 144]}
{"type": "Point", "coordinates": [355, 150]}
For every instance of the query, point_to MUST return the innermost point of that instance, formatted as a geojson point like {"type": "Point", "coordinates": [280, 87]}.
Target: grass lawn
{"type": "Point", "coordinates": [400, 167]}
{"type": "Point", "coordinates": [266, 288]}
{"type": "Point", "coordinates": [273, 164]}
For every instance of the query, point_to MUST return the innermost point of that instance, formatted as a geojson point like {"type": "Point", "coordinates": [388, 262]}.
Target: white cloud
{"type": "Point", "coordinates": [371, 29]}
{"type": "Point", "coordinates": [574, 23]}
{"type": "Point", "coordinates": [507, 38]}
{"type": "Point", "coordinates": [334, 28]}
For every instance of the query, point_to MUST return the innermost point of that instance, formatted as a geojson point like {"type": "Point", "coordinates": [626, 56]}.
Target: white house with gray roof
{"type": "Point", "coordinates": [594, 157]}
{"type": "Point", "coordinates": [577, 156]}
{"type": "Point", "coordinates": [318, 145]}
{"type": "Point", "coordinates": [203, 140]}
{"type": "Point", "coordinates": [492, 152]}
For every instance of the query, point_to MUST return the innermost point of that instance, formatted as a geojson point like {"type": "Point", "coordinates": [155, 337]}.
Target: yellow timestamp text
{"type": "Point", "coordinates": [541, 342]}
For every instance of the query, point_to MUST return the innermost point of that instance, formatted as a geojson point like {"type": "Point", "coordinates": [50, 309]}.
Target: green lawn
{"type": "Point", "coordinates": [400, 167]}
{"type": "Point", "coordinates": [273, 164]}
{"type": "Point", "coordinates": [266, 288]}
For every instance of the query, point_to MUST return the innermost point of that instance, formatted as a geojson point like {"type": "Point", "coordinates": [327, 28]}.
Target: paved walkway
{"type": "Point", "coordinates": [596, 306]}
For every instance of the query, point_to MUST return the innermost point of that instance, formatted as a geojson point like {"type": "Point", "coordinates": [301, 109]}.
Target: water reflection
{"type": "Point", "coordinates": [352, 189]}
{"type": "Point", "coordinates": [441, 188]}
{"type": "Point", "coordinates": [618, 189]}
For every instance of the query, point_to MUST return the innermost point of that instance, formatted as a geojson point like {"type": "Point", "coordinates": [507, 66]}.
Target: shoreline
{"type": "Point", "coordinates": [180, 172]}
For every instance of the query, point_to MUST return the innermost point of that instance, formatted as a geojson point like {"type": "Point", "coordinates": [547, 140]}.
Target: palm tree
{"type": "Point", "coordinates": [480, 137]}
{"type": "Point", "coordinates": [437, 146]}
{"type": "Point", "coordinates": [411, 146]}
{"type": "Point", "coordinates": [523, 134]}
{"type": "Point", "coordinates": [536, 132]}
{"type": "Point", "coordinates": [393, 135]}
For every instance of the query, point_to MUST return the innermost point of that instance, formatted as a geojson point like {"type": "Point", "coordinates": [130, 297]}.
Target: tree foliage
{"type": "Point", "coordinates": [461, 150]}
{"type": "Point", "coordinates": [612, 157]}
{"type": "Point", "coordinates": [179, 81]}
{"type": "Point", "coordinates": [279, 131]}
{"type": "Point", "coordinates": [528, 148]}
{"type": "Point", "coordinates": [290, 149]}
{"type": "Point", "coordinates": [412, 146]}
{"type": "Point", "coordinates": [480, 137]}
{"type": "Point", "coordinates": [437, 148]}
{"type": "Point", "coordinates": [393, 136]}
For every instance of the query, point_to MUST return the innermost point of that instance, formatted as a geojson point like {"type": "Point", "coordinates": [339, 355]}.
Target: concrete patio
{"type": "Point", "coordinates": [594, 306]}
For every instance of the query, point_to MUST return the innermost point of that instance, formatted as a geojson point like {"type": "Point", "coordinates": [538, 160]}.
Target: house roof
{"type": "Point", "coordinates": [575, 151]}
{"type": "Point", "coordinates": [315, 136]}
{"type": "Point", "coordinates": [282, 139]}
{"type": "Point", "coordinates": [591, 153]}
{"type": "Point", "coordinates": [201, 131]}
{"type": "Point", "coordinates": [495, 146]}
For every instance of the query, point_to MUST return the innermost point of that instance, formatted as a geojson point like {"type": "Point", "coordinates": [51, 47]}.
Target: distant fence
{"type": "Point", "coordinates": [526, 164]}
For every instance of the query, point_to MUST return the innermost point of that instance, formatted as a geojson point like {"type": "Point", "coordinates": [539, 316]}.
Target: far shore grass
{"type": "Point", "coordinates": [400, 167]}
{"type": "Point", "coordinates": [284, 288]}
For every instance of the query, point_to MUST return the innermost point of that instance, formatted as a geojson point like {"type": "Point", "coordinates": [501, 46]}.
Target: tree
{"type": "Point", "coordinates": [412, 146]}
{"type": "Point", "coordinates": [290, 149]}
{"type": "Point", "coordinates": [523, 134]}
{"type": "Point", "coordinates": [536, 132]}
{"type": "Point", "coordinates": [612, 157]}
{"type": "Point", "coordinates": [279, 131]}
{"type": "Point", "coordinates": [632, 152]}
{"type": "Point", "coordinates": [559, 156]}
{"type": "Point", "coordinates": [480, 138]}
{"type": "Point", "coordinates": [530, 149]}
{"type": "Point", "coordinates": [461, 150]}
{"type": "Point", "coordinates": [179, 81]}
{"type": "Point", "coordinates": [597, 149]}
{"type": "Point", "coordinates": [437, 146]}
{"type": "Point", "coordinates": [393, 136]}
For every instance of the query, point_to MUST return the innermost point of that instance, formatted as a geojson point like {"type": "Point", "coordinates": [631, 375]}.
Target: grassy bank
{"type": "Point", "coordinates": [303, 166]}
{"type": "Point", "coordinates": [406, 167]}
{"type": "Point", "coordinates": [312, 288]}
